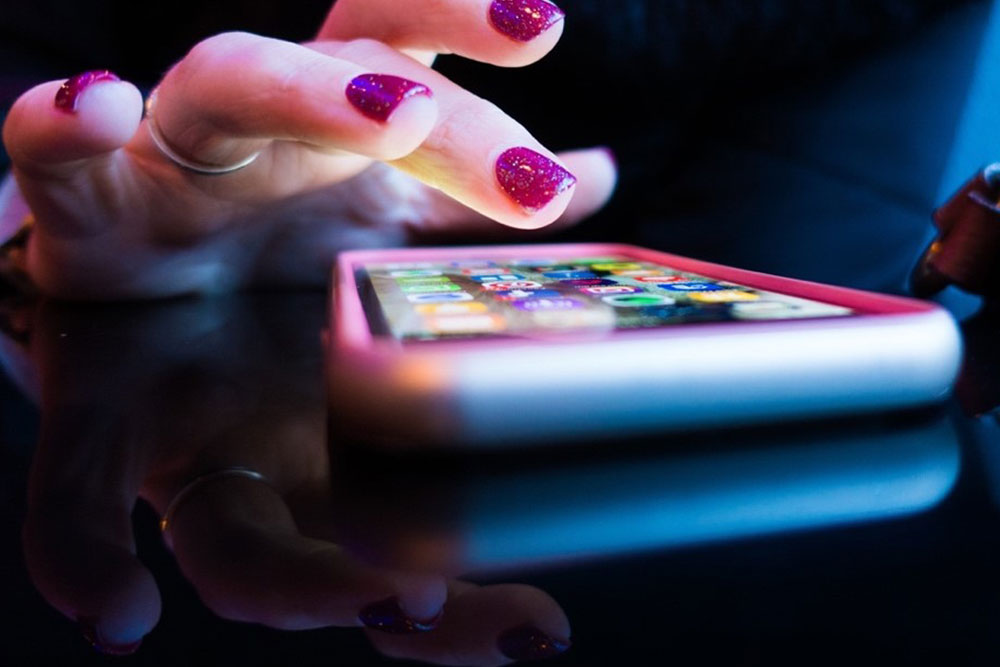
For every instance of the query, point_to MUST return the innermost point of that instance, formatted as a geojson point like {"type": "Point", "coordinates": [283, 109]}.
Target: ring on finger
{"type": "Point", "coordinates": [197, 167]}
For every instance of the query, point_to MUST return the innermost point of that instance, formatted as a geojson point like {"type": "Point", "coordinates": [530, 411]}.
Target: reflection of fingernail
{"type": "Point", "coordinates": [526, 642]}
{"type": "Point", "coordinates": [69, 92]}
{"type": "Point", "coordinates": [387, 616]}
{"type": "Point", "coordinates": [88, 628]}
{"type": "Point", "coordinates": [378, 95]}
{"type": "Point", "coordinates": [524, 20]}
{"type": "Point", "coordinates": [530, 178]}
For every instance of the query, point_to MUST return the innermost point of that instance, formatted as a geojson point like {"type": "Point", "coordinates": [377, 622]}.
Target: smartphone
{"type": "Point", "coordinates": [500, 346]}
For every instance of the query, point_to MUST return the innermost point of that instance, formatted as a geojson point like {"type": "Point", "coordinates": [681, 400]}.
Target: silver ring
{"type": "Point", "coordinates": [181, 161]}
{"type": "Point", "coordinates": [200, 480]}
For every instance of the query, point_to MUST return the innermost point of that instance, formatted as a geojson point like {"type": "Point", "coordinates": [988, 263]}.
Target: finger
{"type": "Point", "coordinates": [510, 33]}
{"type": "Point", "coordinates": [237, 542]}
{"type": "Point", "coordinates": [55, 129]}
{"type": "Point", "coordinates": [597, 176]}
{"type": "Point", "coordinates": [490, 625]}
{"type": "Point", "coordinates": [236, 92]}
{"type": "Point", "coordinates": [475, 153]}
{"type": "Point", "coordinates": [77, 535]}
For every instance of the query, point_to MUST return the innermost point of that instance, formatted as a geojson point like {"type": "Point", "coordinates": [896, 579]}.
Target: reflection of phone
{"type": "Point", "coordinates": [506, 345]}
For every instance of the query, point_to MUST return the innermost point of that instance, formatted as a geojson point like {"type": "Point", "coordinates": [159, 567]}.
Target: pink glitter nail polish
{"type": "Point", "coordinates": [523, 20]}
{"type": "Point", "coordinates": [530, 178]}
{"type": "Point", "coordinates": [378, 95]}
{"type": "Point", "coordinates": [69, 92]}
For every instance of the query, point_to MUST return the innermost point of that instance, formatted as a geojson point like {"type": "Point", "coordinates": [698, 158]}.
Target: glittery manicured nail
{"type": "Point", "coordinates": [530, 178]}
{"type": "Point", "coordinates": [378, 95]}
{"type": "Point", "coordinates": [524, 20]}
{"type": "Point", "coordinates": [69, 92]}
{"type": "Point", "coordinates": [88, 628]}
{"type": "Point", "coordinates": [387, 616]}
{"type": "Point", "coordinates": [526, 642]}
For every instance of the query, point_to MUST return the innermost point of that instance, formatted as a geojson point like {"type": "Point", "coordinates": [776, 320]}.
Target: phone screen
{"type": "Point", "coordinates": [471, 298]}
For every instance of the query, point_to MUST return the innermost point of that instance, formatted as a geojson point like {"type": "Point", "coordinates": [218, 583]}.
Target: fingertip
{"type": "Point", "coordinates": [537, 187]}
{"type": "Point", "coordinates": [529, 30]}
{"type": "Point", "coordinates": [56, 122]}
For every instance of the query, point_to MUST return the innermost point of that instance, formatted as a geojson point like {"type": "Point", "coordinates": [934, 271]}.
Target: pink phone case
{"type": "Point", "coordinates": [894, 352]}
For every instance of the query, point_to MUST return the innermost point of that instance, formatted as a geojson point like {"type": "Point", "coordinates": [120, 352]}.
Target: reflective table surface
{"type": "Point", "coordinates": [875, 538]}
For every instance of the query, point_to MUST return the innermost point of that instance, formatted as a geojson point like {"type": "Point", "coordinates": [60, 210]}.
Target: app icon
{"type": "Point", "coordinates": [558, 303]}
{"type": "Point", "coordinates": [723, 296]}
{"type": "Point", "coordinates": [637, 300]}
{"type": "Point", "coordinates": [496, 277]}
{"type": "Point", "coordinates": [481, 271]}
{"type": "Point", "coordinates": [518, 294]}
{"type": "Point", "coordinates": [411, 273]}
{"type": "Point", "coordinates": [636, 273]}
{"type": "Point", "coordinates": [659, 278]}
{"type": "Point", "coordinates": [504, 285]}
{"type": "Point", "coordinates": [413, 280]}
{"type": "Point", "coordinates": [588, 282]}
{"type": "Point", "coordinates": [439, 297]}
{"type": "Point", "coordinates": [454, 324]}
{"type": "Point", "coordinates": [552, 268]}
{"type": "Point", "coordinates": [690, 287]}
{"type": "Point", "coordinates": [611, 289]}
{"type": "Point", "coordinates": [466, 308]}
{"type": "Point", "coordinates": [568, 275]}
{"type": "Point", "coordinates": [426, 288]}
{"type": "Point", "coordinates": [616, 266]}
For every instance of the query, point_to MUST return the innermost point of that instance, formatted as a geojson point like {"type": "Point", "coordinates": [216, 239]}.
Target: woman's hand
{"type": "Point", "coordinates": [116, 218]}
{"type": "Point", "coordinates": [137, 400]}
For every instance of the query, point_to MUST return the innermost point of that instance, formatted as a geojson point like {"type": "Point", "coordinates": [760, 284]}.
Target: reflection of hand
{"type": "Point", "coordinates": [139, 400]}
{"type": "Point", "coordinates": [116, 218]}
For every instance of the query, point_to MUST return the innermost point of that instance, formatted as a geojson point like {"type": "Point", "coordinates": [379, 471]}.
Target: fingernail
{"type": "Point", "coordinates": [526, 642]}
{"type": "Point", "coordinates": [378, 95]}
{"type": "Point", "coordinates": [530, 178]}
{"type": "Point", "coordinates": [88, 628]}
{"type": "Point", "coordinates": [69, 92]}
{"type": "Point", "coordinates": [524, 20]}
{"type": "Point", "coordinates": [387, 616]}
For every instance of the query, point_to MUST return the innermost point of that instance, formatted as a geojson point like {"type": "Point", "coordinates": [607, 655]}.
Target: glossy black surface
{"type": "Point", "coordinates": [866, 540]}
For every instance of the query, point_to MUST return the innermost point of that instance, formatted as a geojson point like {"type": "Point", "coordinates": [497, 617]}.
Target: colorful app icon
{"type": "Point", "coordinates": [481, 271]}
{"type": "Point", "coordinates": [439, 297]}
{"type": "Point", "coordinates": [616, 266]}
{"type": "Point", "coordinates": [690, 286]}
{"type": "Point", "coordinates": [459, 324]}
{"type": "Point", "coordinates": [588, 282]}
{"type": "Point", "coordinates": [467, 308]}
{"type": "Point", "coordinates": [534, 262]}
{"type": "Point", "coordinates": [412, 273]}
{"type": "Point", "coordinates": [553, 268]}
{"type": "Point", "coordinates": [505, 285]}
{"type": "Point", "coordinates": [637, 300]}
{"type": "Point", "coordinates": [518, 294]}
{"type": "Point", "coordinates": [427, 288]}
{"type": "Point", "coordinates": [558, 303]}
{"type": "Point", "coordinates": [413, 280]}
{"type": "Point", "coordinates": [723, 296]}
{"type": "Point", "coordinates": [611, 289]}
{"type": "Point", "coordinates": [659, 278]}
{"type": "Point", "coordinates": [568, 275]}
{"type": "Point", "coordinates": [637, 273]}
{"type": "Point", "coordinates": [496, 277]}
